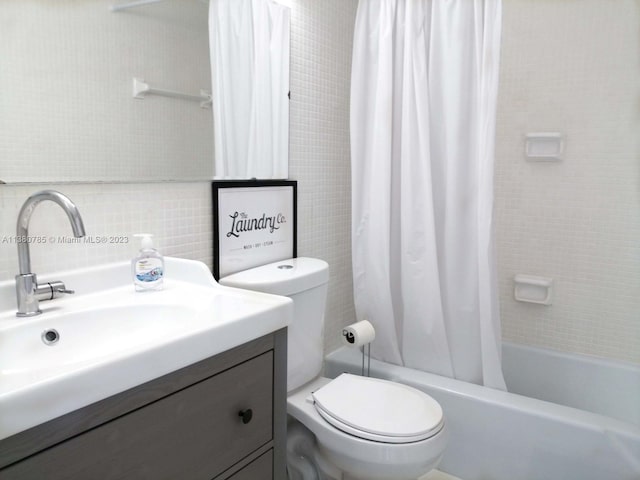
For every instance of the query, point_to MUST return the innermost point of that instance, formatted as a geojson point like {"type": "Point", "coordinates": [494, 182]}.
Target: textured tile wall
{"type": "Point", "coordinates": [180, 213]}
{"type": "Point", "coordinates": [572, 67]}
{"type": "Point", "coordinates": [321, 42]}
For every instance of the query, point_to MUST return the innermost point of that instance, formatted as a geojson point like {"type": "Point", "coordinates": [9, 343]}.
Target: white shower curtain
{"type": "Point", "coordinates": [423, 101]}
{"type": "Point", "coordinates": [249, 48]}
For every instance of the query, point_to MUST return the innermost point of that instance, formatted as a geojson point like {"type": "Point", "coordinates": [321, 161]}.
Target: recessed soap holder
{"type": "Point", "coordinates": [544, 146]}
{"type": "Point", "coordinates": [533, 289]}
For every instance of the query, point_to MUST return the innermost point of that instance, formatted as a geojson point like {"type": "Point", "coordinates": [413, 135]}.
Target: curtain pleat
{"type": "Point", "coordinates": [423, 106]}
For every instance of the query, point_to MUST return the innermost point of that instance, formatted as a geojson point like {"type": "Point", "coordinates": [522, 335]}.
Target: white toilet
{"type": "Point", "coordinates": [364, 428]}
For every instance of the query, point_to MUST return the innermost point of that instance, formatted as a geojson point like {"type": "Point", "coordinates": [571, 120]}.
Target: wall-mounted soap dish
{"type": "Point", "coordinates": [533, 289]}
{"type": "Point", "coordinates": [544, 146]}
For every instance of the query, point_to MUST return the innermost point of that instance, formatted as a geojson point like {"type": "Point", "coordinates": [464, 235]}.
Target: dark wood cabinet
{"type": "Point", "coordinates": [257, 470]}
{"type": "Point", "coordinates": [222, 418]}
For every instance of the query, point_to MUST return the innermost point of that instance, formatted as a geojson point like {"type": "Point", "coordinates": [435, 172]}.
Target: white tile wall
{"type": "Point", "coordinates": [321, 42]}
{"type": "Point", "coordinates": [571, 66]}
{"type": "Point", "coordinates": [180, 213]}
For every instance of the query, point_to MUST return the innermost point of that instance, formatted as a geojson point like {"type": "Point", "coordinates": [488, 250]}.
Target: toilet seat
{"type": "Point", "coordinates": [378, 410]}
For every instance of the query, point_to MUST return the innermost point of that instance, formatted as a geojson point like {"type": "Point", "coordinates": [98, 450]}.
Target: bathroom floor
{"type": "Point", "coordinates": [438, 475]}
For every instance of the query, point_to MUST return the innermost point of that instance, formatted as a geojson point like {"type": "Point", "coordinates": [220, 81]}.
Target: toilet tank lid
{"type": "Point", "coordinates": [285, 277]}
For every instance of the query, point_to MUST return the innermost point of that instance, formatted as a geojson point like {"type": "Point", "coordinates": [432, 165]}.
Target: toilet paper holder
{"type": "Point", "coordinates": [349, 337]}
{"type": "Point", "coordinates": [360, 334]}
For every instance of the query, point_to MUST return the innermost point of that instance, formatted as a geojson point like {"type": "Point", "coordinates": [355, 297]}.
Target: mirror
{"type": "Point", "coordinates": [67, 106]}
{"type": "Point", "coordinates": [250, 54]}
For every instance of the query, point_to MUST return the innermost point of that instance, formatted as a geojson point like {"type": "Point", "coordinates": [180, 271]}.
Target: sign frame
{"type": "Point", "coordinates": [221, 195]}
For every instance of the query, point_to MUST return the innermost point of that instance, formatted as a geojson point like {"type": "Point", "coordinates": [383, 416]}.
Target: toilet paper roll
{"type": "Point", "coordinates": [358, 334]}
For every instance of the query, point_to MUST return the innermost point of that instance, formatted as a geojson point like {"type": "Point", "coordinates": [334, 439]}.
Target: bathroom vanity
{"type": "Point", "coordinates": [185, 383]}
{"type": "Point", "coordinates": [221, 418]}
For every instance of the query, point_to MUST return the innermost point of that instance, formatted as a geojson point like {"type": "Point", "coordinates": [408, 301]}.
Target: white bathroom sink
{"type": "Point", "coordinates": [79, 338]}
{"type": "Point", "coordinates": [108, 338]}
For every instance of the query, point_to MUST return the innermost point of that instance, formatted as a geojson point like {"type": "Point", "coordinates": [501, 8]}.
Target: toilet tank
{"type": "Point", "coordinates": [305, 281]}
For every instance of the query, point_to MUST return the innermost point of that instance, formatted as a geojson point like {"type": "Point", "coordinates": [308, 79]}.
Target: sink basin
{"type": "Point", "coordinates": [80, 338]}
{"type": "Point", "coordinates": [108, 338]}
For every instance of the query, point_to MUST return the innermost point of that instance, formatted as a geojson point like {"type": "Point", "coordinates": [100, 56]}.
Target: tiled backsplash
{"type": "Point", "coordinates": [571, 67]}
{"type": "Point", "coordinates": [178, 214]}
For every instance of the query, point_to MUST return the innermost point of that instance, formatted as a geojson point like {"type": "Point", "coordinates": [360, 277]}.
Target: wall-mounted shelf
{"type": "Point", "coordinates": [141, 89]}
{"type": "Point", "coordinates": [140, 3]}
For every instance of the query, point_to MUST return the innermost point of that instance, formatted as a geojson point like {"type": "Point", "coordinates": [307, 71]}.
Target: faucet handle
{"type": "Point", "coordinates": [64, 290]}
{"type": "Point", "coordinates": [58, 288]}
{"type": "Point", "coordinates": [51, 290]}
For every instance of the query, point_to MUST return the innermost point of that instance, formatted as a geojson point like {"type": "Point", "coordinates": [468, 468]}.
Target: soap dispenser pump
{"type": "Point", "coordinates": [147, 267]}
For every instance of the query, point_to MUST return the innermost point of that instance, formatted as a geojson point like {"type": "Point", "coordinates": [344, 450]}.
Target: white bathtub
{"type": "Point", "coordinates": [499, 435]}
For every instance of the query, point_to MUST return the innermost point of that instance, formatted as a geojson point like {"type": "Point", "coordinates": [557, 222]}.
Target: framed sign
{"type": "Point", "coordinates": [254, 223]}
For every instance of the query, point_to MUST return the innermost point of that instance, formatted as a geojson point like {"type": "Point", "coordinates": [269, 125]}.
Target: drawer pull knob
{"type": "Point", "coordinates": [246, 415]}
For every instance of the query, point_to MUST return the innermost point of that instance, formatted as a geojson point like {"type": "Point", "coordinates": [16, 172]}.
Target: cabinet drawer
{"type": "Point", "coordinates": [260, 469]}
{"type": "Point", "coordinates": [193, 434]}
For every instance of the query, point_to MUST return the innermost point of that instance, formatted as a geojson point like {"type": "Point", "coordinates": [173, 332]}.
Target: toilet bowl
{"type": "Point", "coordinates": [364, 458]}
{"type": "Point", "coordinates": [364, 428]}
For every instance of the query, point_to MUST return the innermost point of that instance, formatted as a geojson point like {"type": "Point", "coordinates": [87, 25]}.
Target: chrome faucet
{"type": "Point", "coordinates": [29, 293]}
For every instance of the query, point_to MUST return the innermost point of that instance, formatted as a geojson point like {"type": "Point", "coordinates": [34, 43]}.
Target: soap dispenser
{"type": "Point", "coordinates": [147, 267]}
